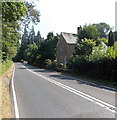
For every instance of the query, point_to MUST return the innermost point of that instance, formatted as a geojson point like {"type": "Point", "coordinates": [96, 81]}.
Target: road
{"type": "Point", "coordinates": [45, 94]}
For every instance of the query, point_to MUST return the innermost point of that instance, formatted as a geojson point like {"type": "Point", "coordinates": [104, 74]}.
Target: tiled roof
{"type": "Point", "coordinates": [70, 38]}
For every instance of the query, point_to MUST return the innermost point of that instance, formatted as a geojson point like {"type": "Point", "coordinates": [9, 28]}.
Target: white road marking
{"type": "Point", "coordinates": [14, 96]}
{"type": "Point", "coordinates": [77, 92]}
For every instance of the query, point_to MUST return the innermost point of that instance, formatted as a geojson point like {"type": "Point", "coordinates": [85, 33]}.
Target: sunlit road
{"type": "Point", "coordinates": [45, 94]}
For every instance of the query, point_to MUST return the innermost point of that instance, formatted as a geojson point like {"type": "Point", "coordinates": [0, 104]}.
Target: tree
{"type": "Point", "coordinates": [24, 44]}
{"type": "Point", "coordinates": [32, 35]}
{"type": "Point", "coordinates": [25, 38]}
{"type": "Point", "coordinates": [85, 47]}
{"type": "Point", "coordinates": [12, 12]}
{"type": "Point", "coordinates": [30, 53]}
{"type": "Point", "coordinates": [110, 39]}
{"type": "Point", "coordinates": [89, 32]}
{"type": "Point", "coordinates": [37, 38]}
{"type": "Point", "coordinates": [32, 15]}
{"type": "Point", "coordinates": [50, 46]}
{"type": "Point", "coordinates": [103, 29]}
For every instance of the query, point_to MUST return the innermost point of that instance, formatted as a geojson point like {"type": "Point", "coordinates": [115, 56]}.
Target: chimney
{"type": "Point", "coordinates": [78, 28]}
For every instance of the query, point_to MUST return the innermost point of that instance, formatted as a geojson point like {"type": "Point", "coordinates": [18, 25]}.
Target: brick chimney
{"type": "Point", "coordinates": [78, 28]}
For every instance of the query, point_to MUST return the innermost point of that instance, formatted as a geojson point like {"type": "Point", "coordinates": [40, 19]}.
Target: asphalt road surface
{"type": "Point", "coordinates": [45, 94]}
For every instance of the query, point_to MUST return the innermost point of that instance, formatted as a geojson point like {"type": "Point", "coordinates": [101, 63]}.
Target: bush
{"type": "Point", "coordinates": [53, 64]}
{"type": "Point", "coordinates": [5, 65]}
{"type": "Point", "coordinates": [48, 63]}
{"type": "Point", "coordinates": [100, 64]}
{"type": "Point", "coordinates": [60, 65]}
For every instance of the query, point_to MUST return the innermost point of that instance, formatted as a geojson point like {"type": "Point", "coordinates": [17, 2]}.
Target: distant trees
{"type": "Point", "coordinates": [103, 29]}
{"type": "Point", "coordinates": [89, 32]}
{"type": "Point", "coordinates": [31, 36]}
{"type": "Point", "coordinates": [38, 38]}
{"type": "Point", "coordinates": [94, 31]}
{"type": "Point", "coordinates": [28, 38]}
{"type": "Point", "coordinates": [36, 50]}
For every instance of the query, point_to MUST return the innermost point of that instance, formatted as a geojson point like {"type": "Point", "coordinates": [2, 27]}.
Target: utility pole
{"type": "Point", "coordinates": [116, 16]}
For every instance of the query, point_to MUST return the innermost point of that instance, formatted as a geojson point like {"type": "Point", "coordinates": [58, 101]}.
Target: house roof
{"type": "Point", "coordinates": [70, 38]}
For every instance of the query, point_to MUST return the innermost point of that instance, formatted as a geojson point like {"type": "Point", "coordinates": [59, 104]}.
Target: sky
{"type": "Point", "coordinates": [66, 15]}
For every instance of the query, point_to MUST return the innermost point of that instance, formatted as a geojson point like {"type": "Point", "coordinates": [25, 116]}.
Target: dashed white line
{"type": "Point", "coordinates": [14, 96]}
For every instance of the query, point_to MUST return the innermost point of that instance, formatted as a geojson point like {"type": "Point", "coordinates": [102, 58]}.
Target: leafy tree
{"type": "Point", "coordinates": [47, 48]}
{"type": "Point", "coordinates": [98, 52]}
{"type": "Point", "coordinates": [32, 15]}
{"type": "Point", "coordinates": [12, 12]}
{"type": "Point", "coordinates": [103, 40]}
{"type": "Point", "coordinates": [50, 46]}
{"type": "Point", "coordinates": [89, 32]}
{"type": "Point", "coordinates": [103, 29]}
{"type": "Point", "coordinates": [84, 47]}
{"type": "Point", "coordinates": [110, 39]}
{"type": "Point", "coordinates": [30, 53]}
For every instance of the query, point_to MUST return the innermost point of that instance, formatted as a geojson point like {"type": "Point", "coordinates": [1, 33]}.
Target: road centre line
{"type": "Point", "coordinates": [101, 103]}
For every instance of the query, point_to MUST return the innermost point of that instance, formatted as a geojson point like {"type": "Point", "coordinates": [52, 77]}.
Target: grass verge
{"type": "Point", "coordinates": [5, 105]}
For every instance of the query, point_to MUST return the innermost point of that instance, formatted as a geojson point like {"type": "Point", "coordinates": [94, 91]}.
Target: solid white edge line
{"type": "Point", "coordinates": [14, 96]}
{"type": "Point", "coordinates": [86, 96]}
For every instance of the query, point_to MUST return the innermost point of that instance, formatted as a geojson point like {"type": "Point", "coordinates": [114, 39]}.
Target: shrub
{"type": "Point", "coordinates": [48, 63]}
{"type": "Point", "coordinates": [5, 66]}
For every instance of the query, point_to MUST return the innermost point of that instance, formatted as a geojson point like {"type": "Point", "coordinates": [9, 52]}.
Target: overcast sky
{"type": "Point", "coordinates": [66, 15]}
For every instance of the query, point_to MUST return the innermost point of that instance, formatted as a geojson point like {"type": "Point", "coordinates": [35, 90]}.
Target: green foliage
{"type": "Point", "coordinates": [60, 65]}
{"type": "Point", "coordinates": [51, 64]}
{"type": "Point", "coordinates": [103, 40]}
{"type": "Point", "coordinates": [12, 13]}
{"type": "Point", "coordinates": [5, 66]}
{"type": "Point", "coordinates": [98, 52]}
{"type": "Point", "coordinates": [103, 29]}
{"type": "Point", "coordinates": [84, 47]}
{"type": "Point", "coordinates": [31, 36]}
{"type": "Point", "coordinates": [47, 48]}
{"type": "Point", "coordinates": [89, 32]}
{"type": "Point", "coordinates": [30, 53]}
{"type": "Point", "coordinates": [32, 14]}
{"type": "Point", "coordinates": [101, 63]}
{"type": "Point", "coordinates": [38, 38]}
{"type": "Point", "coordinates": [111, 39]}
{"type": "Point", "coordinates": [28, 38]}
{"type": "Point", "coordinates": [111, 53]}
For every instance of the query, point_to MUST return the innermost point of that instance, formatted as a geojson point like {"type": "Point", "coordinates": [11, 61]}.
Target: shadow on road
{"type": "Point", "coordinates": [63, 77]}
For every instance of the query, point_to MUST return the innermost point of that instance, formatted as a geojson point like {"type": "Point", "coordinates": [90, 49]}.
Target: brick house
{"type": "Point", "coordinates": [66, 46]}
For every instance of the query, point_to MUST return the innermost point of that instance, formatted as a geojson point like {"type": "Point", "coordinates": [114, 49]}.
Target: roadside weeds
{"type": "Point", "coordinates": [5, 105]}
